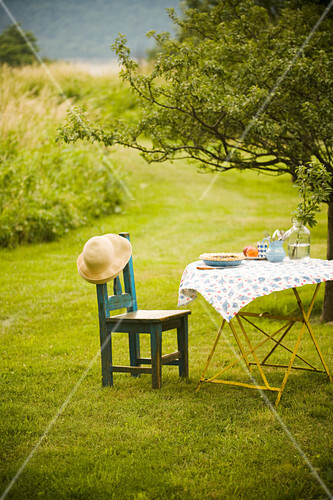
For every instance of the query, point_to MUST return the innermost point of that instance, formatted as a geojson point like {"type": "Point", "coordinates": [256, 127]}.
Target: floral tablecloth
{"type": "Point", "coordinates": [228, 289]}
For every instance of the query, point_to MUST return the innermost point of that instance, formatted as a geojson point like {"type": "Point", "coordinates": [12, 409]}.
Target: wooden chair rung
{"type": "Point", "coordinates": [144, 361]}
{"type": "Point", "coordinates": [174, 356]}
{"type": "Point", "coordinates": [130, 369]}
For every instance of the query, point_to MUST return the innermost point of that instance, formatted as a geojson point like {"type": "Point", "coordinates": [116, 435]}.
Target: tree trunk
{"type": "Point", "coordinates": [327, 312]}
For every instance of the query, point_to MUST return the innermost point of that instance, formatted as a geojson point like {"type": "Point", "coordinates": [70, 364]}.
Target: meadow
{"type": "Point", "coordinates": [64, 436]}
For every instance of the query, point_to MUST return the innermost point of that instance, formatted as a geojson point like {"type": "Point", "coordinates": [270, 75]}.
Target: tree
{"type": "Point", "coordinates": [272, 6]}
{"type": "Point", "coordinates": [243, 91]}
{"type": "Point", "coordinates": [16, 49]}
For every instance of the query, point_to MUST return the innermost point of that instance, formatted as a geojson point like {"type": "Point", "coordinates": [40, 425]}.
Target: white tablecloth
{"type": "Point", "coordinates": [228, 289]}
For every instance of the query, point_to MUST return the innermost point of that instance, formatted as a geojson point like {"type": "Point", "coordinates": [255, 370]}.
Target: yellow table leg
{"type": "Point", "coordinates": [279, 343]}
{"type": "Point", "coordinates": [252, 349]}
{"type": "Point", "coordinates": [306, 317]}
{"type": "Point", "coordinates": [240, 345]}
{"type": "Point", "coordinates": [254, 353]}
{"type": "Point", "coordinates": [290, 365]}
{"type": "Point", "coordinates": [245, 354]}
{"type": "Point", "coordinates": [211, 355]}
{"type": "Point", "coordinates": [306, 321]}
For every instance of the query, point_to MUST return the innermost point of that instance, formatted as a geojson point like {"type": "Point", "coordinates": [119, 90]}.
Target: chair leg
{"type": "Point", "coordinates": [182, 338]}
{"type": "Point", "coordinates": [134, 350]}
{"type": "Point", "coordinates": [106, 356]}
{"type": "Point", "coordinates": [156, 354]}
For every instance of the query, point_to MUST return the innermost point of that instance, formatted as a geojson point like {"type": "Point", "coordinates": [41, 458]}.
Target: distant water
{"type": "Point", "coordinates": [96, 67]}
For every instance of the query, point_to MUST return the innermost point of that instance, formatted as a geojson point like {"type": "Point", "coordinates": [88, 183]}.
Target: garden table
{"type": "Point", "coordinates": [230, 289]}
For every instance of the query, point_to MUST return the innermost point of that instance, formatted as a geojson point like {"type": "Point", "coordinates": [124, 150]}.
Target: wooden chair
{"type": "Point", "coordinates": [136, 322]}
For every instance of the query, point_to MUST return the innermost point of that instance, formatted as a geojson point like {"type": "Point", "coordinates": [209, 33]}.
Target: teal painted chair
{"type": "Point", "coordinates": [136, 322]}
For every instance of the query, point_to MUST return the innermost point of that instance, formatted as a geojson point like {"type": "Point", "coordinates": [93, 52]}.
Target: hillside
{"type": "Point", "coordinates": [85, 29]}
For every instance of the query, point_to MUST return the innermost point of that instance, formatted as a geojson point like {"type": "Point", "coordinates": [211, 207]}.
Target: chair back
{"type": "Point", "coordinates": [119, 299]}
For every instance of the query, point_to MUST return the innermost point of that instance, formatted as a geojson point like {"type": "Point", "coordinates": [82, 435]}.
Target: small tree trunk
{"type": "Point", "coordinates": [327, 312]}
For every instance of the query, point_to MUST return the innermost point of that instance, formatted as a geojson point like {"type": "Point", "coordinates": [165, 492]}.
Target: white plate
{"type": "Point", "coordinates": [255, 258]}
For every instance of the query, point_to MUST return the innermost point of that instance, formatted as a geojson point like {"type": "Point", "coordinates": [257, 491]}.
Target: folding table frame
{"type": "Point", "coordinates": [248, 350]}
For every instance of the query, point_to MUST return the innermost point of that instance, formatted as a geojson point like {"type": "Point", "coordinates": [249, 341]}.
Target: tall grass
{"type": "Point", "coordinates": [30, 105]}
{"type": "Point", "coordinates": [45, 188]}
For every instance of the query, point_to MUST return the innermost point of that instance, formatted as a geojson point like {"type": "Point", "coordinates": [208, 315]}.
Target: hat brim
{"type": "Point", "coordinates": [123, 249]}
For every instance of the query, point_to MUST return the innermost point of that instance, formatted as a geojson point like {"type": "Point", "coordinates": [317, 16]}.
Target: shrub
{"type": "Point", "coordinates": [46, 191]}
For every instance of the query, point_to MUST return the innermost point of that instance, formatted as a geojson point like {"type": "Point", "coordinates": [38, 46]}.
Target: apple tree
{"type": "Point", "coordinates": [240, 91]}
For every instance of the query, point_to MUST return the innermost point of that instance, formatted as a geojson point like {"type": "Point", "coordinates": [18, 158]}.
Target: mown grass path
{"type": "Point", "coordinates": [130, 442]}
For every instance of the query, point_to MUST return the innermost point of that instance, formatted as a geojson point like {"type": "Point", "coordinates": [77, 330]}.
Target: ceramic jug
{"type": "Point", "coordinates": [275, 251]}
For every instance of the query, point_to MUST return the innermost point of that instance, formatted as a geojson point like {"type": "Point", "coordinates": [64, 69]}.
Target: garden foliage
{"type": "Point", "coordinates": [314, 187]}
{"type": "Point", "coordinates": [48, 188]}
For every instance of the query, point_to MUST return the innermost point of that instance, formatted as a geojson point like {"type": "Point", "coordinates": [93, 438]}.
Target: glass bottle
{"type": "Point", "coordinates": [299, 241]}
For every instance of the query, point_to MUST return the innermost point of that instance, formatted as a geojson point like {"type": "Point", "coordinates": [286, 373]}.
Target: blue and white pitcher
{"type": "Point", "coordinates": [275, 251]}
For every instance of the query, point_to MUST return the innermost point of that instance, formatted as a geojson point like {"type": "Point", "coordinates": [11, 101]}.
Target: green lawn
{"type": "Point", "coordinates": [130, 442]}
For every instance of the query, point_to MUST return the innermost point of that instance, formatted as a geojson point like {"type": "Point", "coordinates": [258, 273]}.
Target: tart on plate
{"type": "Point", "coordinates": [222, 259]}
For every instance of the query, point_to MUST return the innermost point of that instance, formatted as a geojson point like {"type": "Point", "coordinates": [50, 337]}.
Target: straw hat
{"type": "Point", "coordinates": [103, 258]}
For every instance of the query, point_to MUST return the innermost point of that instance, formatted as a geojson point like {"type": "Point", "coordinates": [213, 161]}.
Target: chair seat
{"type": "Point", "coordinates": [146, 316]}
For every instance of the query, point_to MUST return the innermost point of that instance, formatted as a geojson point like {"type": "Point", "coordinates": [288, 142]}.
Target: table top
{"type": "Point", "coordinates": [228, 289]}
